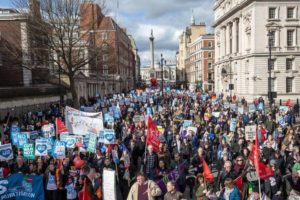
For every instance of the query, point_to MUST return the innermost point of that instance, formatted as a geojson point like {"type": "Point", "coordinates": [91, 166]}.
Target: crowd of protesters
{"type": "Point", "coordinates": [225, 151]}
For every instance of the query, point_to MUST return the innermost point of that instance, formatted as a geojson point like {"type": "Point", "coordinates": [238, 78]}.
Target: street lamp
{"type": "Point", "coordinates": [271, 95]}
{"type": "Point", "coordinates": [162, 60]}
{"type": "Point", "coordinates": [230, 83]}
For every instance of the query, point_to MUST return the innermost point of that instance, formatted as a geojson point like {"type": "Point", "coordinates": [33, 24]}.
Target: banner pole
{"type": "Point", "coordinates": [259, 187]}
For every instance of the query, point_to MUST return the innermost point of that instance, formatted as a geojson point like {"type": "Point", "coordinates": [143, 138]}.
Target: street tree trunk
{"type": "Point", "coordinates": [74, 92]}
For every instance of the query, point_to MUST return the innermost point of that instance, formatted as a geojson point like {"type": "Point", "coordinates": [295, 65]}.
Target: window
{"type": "Point", "coordinates": [272, 38]}
{"type": "Point", "coordinates": [272, 13]}
{"type": "Point", "coordinates": [104, 35]}
{"type": "Point", "coordinates": [289, 85]}
{"type": "Point", "coordinates": [209, 76]}
{"type": "Point", "coordinates": [290, 38]}
{"type": "Point", "coordinates": [104, 47]}
{"type": "Point", "coordinates": [209, 54]}
{"type": "Point", "coordinates": [209, 65]}
{"type": "Point", "coordinates": [290, 13]}
{"type": "Point", "coordinates": [271, 64]}
{"type": "Point", "coordinates": [105, 57]}
{"type": "Point", "coordinates": [105, 69]}
{"type": "Point", "coordinates": [289, 64]}
{"type": "Point", "coordinates": [209, 44]}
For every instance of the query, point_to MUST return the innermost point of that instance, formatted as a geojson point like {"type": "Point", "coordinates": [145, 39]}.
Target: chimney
{"type": "Point", "coordinates": [34, 8]}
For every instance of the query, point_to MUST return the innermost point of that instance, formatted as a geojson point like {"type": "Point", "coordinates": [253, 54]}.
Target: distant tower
{"type": "Point", "coordinates": [192, 18]}
{"type": "Point", "coordinates": [152, 49]}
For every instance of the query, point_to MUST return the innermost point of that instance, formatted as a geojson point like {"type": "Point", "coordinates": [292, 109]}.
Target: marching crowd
{"type": "Point", "coordinates": [204, 150]}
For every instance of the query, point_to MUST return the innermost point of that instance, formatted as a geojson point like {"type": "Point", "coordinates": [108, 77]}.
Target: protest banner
{"type": "Point", "coordinates": [261, 106]}
{"type": "Point", "coordinates": [59, 149]}
{"type": "Point", "coordinates": [187, 123]}
{"type": "Point", "coordinates": [252, 108]}
{"type": "Point", "coordinates": [48, 130]}
{"type": "Point", "coordinates": [22, 139]}
{"type": "Point", "coordinates": [92, 143]}
{"type": "Point", "coordinates": [79, 141]}
{"type": "Point", "coordinates": [233, 124]}
{"type": "Point", "coordinates": [241, 110]}
{"type": "Point", "coordinates": [109, 185]}
{"type": "Point", "coordinates": [250, 132]}
{"type": "Point", "coordinates": [6, 152]}
{"type": "Point", "coordinates": [226, 105]}
{"type": "Point", "coordinates": [283, 109]}
{"type": "Point", "coordinates": [138, 118]}
{"type": "Point", "coordinates": [20, 186]}
{"type": "Point", "coordinates": [41, 147]}
{"type": "Point", "coordinates": [233, 106]}
{"type": "Point", "coordinates": [82, 123]}
{"type": "Point", "coordinates": [216, 114]}
{"type": "Point", "coordinates": [69, 140]}
{"type": "Point", "coordinates": [191, 129]}
{"type": "Point", "coordinates": [107, 136]}
{"type": "Point", "coordinates": [14, 132]}
{"type": "Point", "coordinates": [28, 151]}
{"type": "Point", "coordinates": [109, 118]}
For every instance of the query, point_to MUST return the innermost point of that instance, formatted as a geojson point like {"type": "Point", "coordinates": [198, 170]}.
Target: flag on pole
{"type": "Point", "coordinates": [60, 127]}
{"type": "Point", "coordinates": [239, 183]}
{"type": "Point", "coordinates": [263, 170]}
{"type": "Point", "coordinates": [85, 195]}
{"type": "Point", "coordinates": [207, 174]}
{"type": "Point", "coordinates": [152, 135]}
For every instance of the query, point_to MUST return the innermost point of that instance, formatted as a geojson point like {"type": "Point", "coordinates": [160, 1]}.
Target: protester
{"type": "Point", "coordinates": [190, 131]}
{"type": "Point", "coordinates": [172, 194]}
{"type": "Point", "coordinates": [143, 189]}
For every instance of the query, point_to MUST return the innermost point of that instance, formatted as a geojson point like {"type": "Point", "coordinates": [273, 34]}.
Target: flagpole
{"type": "Point", "coordinates": [259, 187]}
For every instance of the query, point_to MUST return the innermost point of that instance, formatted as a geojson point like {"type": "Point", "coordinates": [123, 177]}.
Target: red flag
{"type": "Point", "coordinates": [239, 183]}
{"type": "Point", "coordinates": [60, 127]}
{"type": "Point", "coordinates": [262, 169]}
{"type": "Point", "coordinates": [85, 193]}
{"type": "Point", "coordinates": [289, 103]}
{"type": "Point", "coordinates": [153, 135]}
{"type": "Point", "coordinates": [209, 177]}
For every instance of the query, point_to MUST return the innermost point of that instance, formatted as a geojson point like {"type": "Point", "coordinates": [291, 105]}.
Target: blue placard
{"type": "Point", "coordinates": [14, 132]}
{"type": "Point", "coordinates": [22, 139]}
{"type": "Point", "coordinates": [233, 124]}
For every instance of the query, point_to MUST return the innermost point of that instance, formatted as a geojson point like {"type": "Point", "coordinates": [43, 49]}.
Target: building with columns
{"type": "Point", "coordinates": [199, 63]}
{"type": "Point", "coordinates": [242, 47]}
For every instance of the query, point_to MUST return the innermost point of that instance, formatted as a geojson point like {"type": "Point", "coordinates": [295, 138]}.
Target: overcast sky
{"type": "Point", "coordinates": [167, 18]}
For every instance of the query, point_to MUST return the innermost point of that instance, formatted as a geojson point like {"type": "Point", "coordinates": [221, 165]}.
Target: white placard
{"type": "Point", "coordinates": [250, 132]}
{"type": "Point", "coordinates": [109, 184]}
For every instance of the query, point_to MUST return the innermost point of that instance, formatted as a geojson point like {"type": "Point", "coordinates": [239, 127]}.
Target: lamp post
{"type": "Point", "coordinates": [270, 95]}
{"type": "Point", "coordinates": [230, 76]}
{"type": "Point", "coordinates": [162, 72]}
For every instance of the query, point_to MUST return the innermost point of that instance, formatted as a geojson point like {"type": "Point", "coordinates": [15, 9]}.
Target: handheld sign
{"type": "Point", "coordinates": [41, 147]}
{"type": "Point", "coordinates": [6, 152]}
{"type": "Point", "coordinates": [59, 150]}
{"type": "Point", "coordinates": [233, 124]}
{"type": "Point", "coordinates": [250, 132]}
{"type": "Point", "coordinates": [92, 143]}
{"type": "Point", "coordinates": [28, 151]}
{"type": "Point", "coordinates": [109, 185]}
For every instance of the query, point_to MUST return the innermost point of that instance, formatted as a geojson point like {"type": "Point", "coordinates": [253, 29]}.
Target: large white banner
{"type": "Point", "coordinates": [109, 185]}
{"type": "Point", "coordinates": [83, 123]}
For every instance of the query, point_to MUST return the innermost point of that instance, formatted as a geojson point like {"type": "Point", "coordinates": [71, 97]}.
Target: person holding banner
{"type": "Point", "coordinates": [143, 189]}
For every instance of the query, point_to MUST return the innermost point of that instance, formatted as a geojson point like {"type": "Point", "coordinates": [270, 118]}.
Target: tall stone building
{"type": "Point", "coordinates": [189, 35]}
{"type": "Point", "coordinates": [199, 63]}
{"type": "Point", "coordinates": [244, 29]}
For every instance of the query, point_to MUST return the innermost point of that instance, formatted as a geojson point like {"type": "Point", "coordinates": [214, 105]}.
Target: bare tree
{"type": "Point", "coordinates": [59, 35]}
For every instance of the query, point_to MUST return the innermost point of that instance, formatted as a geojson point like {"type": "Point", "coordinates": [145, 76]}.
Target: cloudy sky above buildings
{"type": "Point", "coordinates": [167, 18]}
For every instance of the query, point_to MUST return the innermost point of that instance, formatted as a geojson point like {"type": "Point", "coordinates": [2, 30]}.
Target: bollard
{"type": "Point", "coordinates": [280, 102]}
